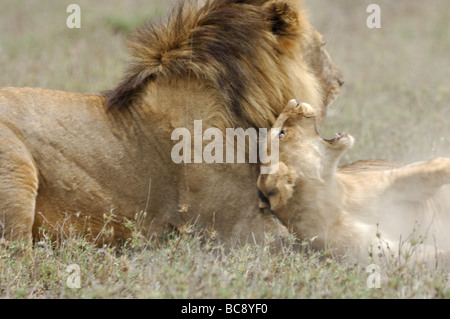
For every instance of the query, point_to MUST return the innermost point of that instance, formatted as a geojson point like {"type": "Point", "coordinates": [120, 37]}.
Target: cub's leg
{"type": "Point", "coordinates": [18, 187]}
{"type": "Point", "coordinates": [418, 181]}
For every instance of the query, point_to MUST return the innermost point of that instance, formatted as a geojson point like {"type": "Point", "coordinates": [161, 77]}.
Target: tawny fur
{"type": "Point", "coordinates": [360, 207]}
{"type": "Point", "coordinates": [69, 161]}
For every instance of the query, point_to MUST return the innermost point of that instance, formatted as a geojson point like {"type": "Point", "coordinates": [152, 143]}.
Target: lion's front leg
{"type": "Point", "coordinates": [18, 188]}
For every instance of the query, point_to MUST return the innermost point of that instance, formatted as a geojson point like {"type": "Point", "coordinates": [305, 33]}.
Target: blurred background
{"type": "Point", "coordinates": [396, 99]}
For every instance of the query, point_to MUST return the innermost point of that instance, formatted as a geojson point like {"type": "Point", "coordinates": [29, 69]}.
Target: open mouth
{"type": "Point", "coordinates": [336, 138]}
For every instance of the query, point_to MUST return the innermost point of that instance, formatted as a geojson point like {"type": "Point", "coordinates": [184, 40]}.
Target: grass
{"type": "Point", "coordinates": [395, 102]}
{"type": "Point", "coordinates": [196, 266]}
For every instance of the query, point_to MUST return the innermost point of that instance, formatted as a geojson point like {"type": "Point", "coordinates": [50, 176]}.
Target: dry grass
{"type": "Point", "coordinates": [195, 266]}
{"type": "Point", "coordinates": [395, 102]}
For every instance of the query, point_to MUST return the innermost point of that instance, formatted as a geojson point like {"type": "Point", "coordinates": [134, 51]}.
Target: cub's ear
{"type": "Point", "coordinates": [263, 201]}
{"type": "Point", "coordinates": [277, 188]}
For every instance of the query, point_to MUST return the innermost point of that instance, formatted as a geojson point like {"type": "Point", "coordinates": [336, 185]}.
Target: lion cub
{"type": "Point", "coordinates": [344, 208]}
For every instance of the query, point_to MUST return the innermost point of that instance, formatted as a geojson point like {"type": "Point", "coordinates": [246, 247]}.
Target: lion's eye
{"type": "Point", "coordinates": [282, 134]}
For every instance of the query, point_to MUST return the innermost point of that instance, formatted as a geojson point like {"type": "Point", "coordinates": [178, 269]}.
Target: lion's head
{"type": "Point", "coordinates": [255, 54]}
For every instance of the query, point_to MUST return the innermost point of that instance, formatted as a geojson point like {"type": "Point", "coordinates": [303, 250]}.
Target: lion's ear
{"type": "Point", "coordinates": [283, 18]}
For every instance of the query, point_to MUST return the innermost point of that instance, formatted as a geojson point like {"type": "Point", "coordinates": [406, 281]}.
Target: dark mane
{"type": "Point", "coordinates": [227, 44]}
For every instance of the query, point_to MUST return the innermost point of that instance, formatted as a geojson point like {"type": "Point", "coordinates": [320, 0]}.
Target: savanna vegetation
{"type": "Point", "coordinates": [395, 102]}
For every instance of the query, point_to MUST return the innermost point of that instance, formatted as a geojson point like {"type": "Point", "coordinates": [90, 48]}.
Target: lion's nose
{"type": "Point", "coordinates": [340, 78]}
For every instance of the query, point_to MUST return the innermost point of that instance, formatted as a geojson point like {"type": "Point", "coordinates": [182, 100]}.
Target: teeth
{"type": "Point", "coordinates": [338, 135]}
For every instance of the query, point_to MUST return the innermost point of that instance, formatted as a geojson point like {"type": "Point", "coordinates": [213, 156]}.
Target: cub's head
{"type": "Point", "coordinates": [300, 145]}
{"type": "Point", "coordinates": [304, 156]}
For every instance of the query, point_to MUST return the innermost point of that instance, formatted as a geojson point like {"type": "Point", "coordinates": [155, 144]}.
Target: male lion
{"type": "Point", "coordinates": [86, 163]}
{"type": "Point", "coordinates": [340, 207]}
